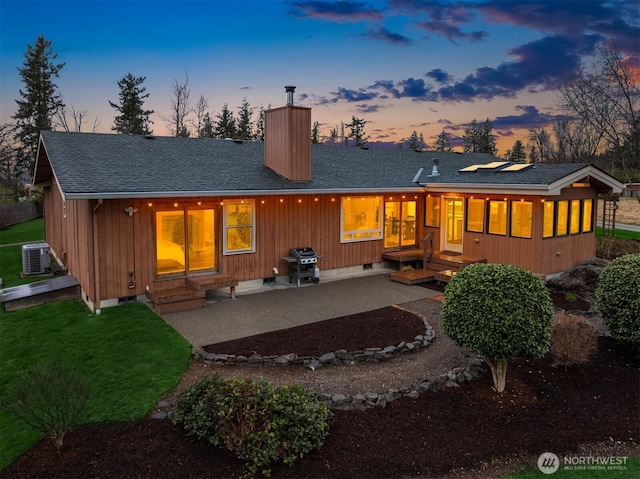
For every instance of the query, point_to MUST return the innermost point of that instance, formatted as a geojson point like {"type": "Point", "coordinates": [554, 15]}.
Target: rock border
{"type": "Point", "coordinates": [361, 401]}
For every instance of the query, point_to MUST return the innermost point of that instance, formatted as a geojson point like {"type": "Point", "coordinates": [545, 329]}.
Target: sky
{"type": "Point", "coordinates": [400, 65]}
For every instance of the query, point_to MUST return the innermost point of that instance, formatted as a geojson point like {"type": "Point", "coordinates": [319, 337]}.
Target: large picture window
{"type": "Point", "coordinates": [521, 218]}
{"type": "Point", "coordinates": [239, 226]}
{"type": "Point", "coordinates": [497, 217]}
{"type": "Point", "coordinates": [360, 219]}
{"type": "Point", "coordinates": [475, 215]}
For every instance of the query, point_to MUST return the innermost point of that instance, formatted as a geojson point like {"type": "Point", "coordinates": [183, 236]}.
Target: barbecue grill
{"type": "Point", "coordinates": [303, 264]}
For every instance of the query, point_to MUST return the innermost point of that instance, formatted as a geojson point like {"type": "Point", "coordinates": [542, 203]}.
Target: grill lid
{"type": "Point", "coordinates": [300, 253]}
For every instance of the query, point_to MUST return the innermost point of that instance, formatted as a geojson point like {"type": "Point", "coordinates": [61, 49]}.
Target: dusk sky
{"type": "Point", "coordinates": [400, 65]}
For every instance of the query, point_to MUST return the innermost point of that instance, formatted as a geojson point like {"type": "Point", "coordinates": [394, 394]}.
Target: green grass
{"type": "Point", "coordinates": [129, 354]}
{"type": "Point", "coordinates": [620, 234]}
{"type": "Point", "coordinates": [30, 231]}
{"type": "Point", "coordinates": [11, 256]}
{"type": "Point", "coordinates": [632, 471]}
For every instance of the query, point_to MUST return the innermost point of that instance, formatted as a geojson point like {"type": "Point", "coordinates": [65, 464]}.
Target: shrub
{"type": "Point", "coordinates": [573, 340]}
{"type": "Point", "coordinates": [611, 248]}
{"type": "Point", "coordinates": [260, 423]}
{"type": "Point", "coordinates": [50, 398]}
{"type": "Point", "coordinates": [498, 311]}
{"type": "Point", "coordinates": [618, 298]}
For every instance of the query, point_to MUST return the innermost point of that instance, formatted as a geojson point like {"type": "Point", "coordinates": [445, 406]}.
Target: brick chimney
{"type": "Point", "coordinates": [287, 140]}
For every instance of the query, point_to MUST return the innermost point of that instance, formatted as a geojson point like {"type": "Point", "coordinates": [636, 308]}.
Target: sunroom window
{"type": "Point", "coordinates": [587, 215]}
{"type": "Point", "coordinates": [475, 215]}
{"type": "Point", "coordinates": [432, 211]}
{"type": "Point", "coordinates": [497, 217]}
{"type": "Point", "coordinates": [575, 217]}
{"type": "Point", "coordinates": [521, 219]}
{"type": "Point", "coordinates": [562, 223]}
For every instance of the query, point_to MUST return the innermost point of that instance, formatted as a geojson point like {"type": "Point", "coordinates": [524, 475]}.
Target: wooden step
{"type": "Point", "coordinates": [413, 276]}
{"type": "Point", "coordinates": [179, 306]}
{"type": "Point", "coordinates": [213, 281]}
{"type": "Point", "coordinates": [174, 295]}
{"type": "Point", "coordinates": [457, 261]}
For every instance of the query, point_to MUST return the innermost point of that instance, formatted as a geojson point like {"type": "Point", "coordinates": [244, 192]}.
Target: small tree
{"type": "Point", "coordinates": [356, 131]}
{"type": "Point", "coordinates": [244, 124]}
{"type": "Point", "coordinates": [50, 398]}
{"type": "Point", "coordinates": [618, 298]}
{"type": "Point", "coordinates": [498, 311]}
{"type": "Point", "coordinates": [225, 124]}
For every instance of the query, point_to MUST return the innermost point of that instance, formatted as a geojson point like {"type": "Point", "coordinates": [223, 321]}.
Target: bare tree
{"type": "Point", "coordinates": [542, 146]}
{"type": "Point", "coordinates": [607, 97]}
{"type": "Point", "coordinates": [180, 108]}
{"type": "Point", "coordinates": [200, 110]}
{"type": "Point", "coordinates": [73, 120]}
{"type": "Point", "coordinates": [576, 142]}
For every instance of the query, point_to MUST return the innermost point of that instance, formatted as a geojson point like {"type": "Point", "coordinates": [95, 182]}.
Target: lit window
{"type": "Point", "coordinates": [575, 217]}
{"type": "Point", "coordinates": [547, 227]}
{"type": "Point", "coordinates": [497, 217]}
{"type": "Point", "coordinates": [239, 221]}
{"type": "Point", "coordinates": [587, 215]}
{"type": "Point", "coordinates": [432, 216]}
{"type": "Point", "coordinates": [360, 219]}
{"type": "Point", "coordinates": [170, 242]}
{"type": "Point", "coordinates": [521, 216]}
{"type": "Point", "coordinates": [562, 222]}
{"type": "Point", "coordinates": [475, 216]}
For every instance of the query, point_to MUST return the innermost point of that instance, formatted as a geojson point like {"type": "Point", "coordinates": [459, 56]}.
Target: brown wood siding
{"type": "Point", "coordinates": [287, 147]}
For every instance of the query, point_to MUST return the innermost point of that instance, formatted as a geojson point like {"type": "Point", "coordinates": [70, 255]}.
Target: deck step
{"type": "Point", "coordinates": [174, 295]}
{"type": "Point", "coordinates": [457, 261]}
{"type": "Point", "coordinates": [179, 306]}
{"type": "Point", "coordinates": [413, 276]}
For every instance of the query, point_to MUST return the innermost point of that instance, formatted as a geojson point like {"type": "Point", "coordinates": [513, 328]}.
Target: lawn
{"type": "Point", "coordinates": [129, 354]}
{"type": "Point", "coordinates": [11, 256]}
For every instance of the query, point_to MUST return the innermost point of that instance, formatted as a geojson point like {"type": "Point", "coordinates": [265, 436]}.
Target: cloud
{"type": "Point", "coordinates": [439, 75]}
{"type": "Point", "coordinates": [529, 117]}
{"type": "Point", "coordinates": [337, 11]}
{"type": "Point", "coordinates": [354, 95]}
{"type": "Point", "coordinates": [365, 108]}
{"type": "Point", "coordinates": [385, 35]}
{"type": "Point", "coordinates": [451, 32]}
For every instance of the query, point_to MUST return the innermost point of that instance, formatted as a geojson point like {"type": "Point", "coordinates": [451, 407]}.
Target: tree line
{"type": "Point", "coordinates": [602, 104]}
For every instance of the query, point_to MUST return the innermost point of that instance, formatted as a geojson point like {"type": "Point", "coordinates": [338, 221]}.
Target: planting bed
{"type": "Point", "coordinates": [465, 431]}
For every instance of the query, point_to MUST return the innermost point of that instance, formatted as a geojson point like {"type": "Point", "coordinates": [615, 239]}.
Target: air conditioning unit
{"type": "Point", "coordinates": [35, 258]}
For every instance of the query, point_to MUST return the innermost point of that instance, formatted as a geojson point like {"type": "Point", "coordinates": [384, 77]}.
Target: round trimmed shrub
{"type": "Point", "coordinates": [573, 340]}
{"type": "Point", "coordinates": [618, 298]}
{"type": "Point", "coordinates": [498, 311]}
{"type": "Point", "coordinates": [260, 423]}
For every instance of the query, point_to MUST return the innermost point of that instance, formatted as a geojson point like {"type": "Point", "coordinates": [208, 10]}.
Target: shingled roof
{"type": "Point", "coordinates": [95, 165]}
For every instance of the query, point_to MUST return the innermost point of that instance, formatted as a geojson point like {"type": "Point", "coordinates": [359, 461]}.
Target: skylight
{"type": "Point", "coordinates": [517, 167]}
{"type": "Point", "coordinates": [487, 166]}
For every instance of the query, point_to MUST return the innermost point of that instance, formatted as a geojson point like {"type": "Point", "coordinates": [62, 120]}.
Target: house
{"type": "Point", "coordinates": [171, 217]}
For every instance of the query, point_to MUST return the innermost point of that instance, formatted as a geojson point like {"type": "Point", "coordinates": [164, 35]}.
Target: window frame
{"type": "Point", "coordinates": [553, 218]}
{"type": "Point", "coordinates": [482, 217]}
{"type": "Point", "coordinates": [226, 227]}
{"type": "Point", "coordinates": [590, 217]}
{"type": "Point", "coordinates": [513, 222]}
{"type": "Point", "coordinates": [505, 226]}
{"type": "Point", "coordinates": [432, 212]}
{"type": "Point", "coordinates": [371, 234]}
{"type": "Point", "coordinates": [565, 231]}
{"type": "Point", "coordinates": [575, 217]}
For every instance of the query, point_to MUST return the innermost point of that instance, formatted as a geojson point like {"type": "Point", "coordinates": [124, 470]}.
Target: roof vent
{"type": "Point", "coordinates": [150, 137]}
{"type": "Point", "coordinates": [290, 89]}
{"type": "Point", "coordinates": [434, 169]}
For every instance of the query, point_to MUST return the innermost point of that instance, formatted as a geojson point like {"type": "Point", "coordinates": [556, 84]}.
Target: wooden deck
{"type": "Point", "coordinates": [192, 294]}
{"type": "Point", "coordinates": [441, 269]}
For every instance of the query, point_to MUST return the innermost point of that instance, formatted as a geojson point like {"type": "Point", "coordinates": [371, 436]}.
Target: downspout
{"type": "Point", "coordinates": [96, 261]}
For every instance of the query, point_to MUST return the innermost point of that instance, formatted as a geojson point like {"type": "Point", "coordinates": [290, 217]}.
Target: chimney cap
{"type": "Point", "coordinates": [289, 88]}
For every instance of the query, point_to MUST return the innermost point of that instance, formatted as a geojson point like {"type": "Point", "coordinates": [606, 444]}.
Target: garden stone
{"type": "Point", "coordinates": [412, 394]}
{"type": "Point", "coordinates": [313, 364]}
{"type": "Point", "coordinates": [326, 357]}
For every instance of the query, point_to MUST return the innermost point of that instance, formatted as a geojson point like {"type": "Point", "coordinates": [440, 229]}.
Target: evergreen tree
{"type": "Point", "coordinates": [133, 119]}
{"type": "Point", "coordinates": [39, 100]}
{"type": "Point", "coordinates": [333, 136]}
{"type": "Point", "coordinates": [207, 130]}
{"type": "Point", "coordinates": [471, 138]}
{"type": "Point", "coordinates": [487, 139]}
{"type": "Point", "coordinates": [315, 133]}
{"type": "Point", "coordinates": [442, 142]}
{"type": "Point", "coordinates": [356, 132]}
{"type": "Point", "coordinates": [260, 125]}
{"type": "Point", "coordinates": [225, 126]}
{"type": "Point", "coordinates": [244, 128]}
{"type": "Point", "coordinates": [416, 142]}
{"type": "Point", "coordinates": [517, 153]}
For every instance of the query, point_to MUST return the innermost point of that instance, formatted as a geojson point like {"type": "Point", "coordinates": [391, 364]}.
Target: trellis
{"type": "Point", "coordinates": [609, 208]}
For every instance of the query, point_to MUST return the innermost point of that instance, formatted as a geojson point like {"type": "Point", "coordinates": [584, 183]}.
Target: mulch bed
{"type": "Point", "coordinates": [379, 328]}
{"type": "Point", "coordinates": [457, 429]}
